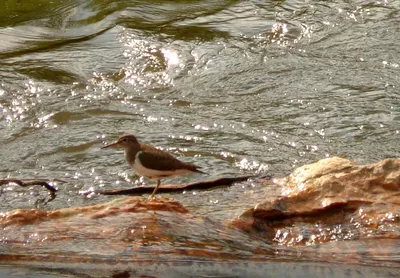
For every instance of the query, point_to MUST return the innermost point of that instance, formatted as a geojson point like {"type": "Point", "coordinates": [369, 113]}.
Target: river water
{"type": "Point", "coordinates": [236, 87]}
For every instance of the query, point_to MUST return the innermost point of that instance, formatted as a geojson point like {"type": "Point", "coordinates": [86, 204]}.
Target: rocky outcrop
{"type": "Point", "coordinates": [329, 200]}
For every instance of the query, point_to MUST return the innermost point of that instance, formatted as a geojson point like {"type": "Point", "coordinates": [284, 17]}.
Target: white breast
{"type": "Point", "coordinates": [154, 174]}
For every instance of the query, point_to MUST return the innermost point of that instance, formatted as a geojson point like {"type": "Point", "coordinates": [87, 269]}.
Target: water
{"type": "Point", "coordinates": [237, 87]}
{"type": "Point", "coordinates": [206, 269]}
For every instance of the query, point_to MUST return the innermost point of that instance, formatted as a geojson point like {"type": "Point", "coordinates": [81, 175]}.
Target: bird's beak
{"type": "Point", "coordinates": [111, 145]}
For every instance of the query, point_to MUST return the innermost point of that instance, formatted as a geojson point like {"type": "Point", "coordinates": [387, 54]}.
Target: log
{"type": "Point", "coordinates": [167, 188]}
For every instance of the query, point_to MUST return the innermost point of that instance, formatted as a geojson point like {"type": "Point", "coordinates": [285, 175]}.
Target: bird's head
{"type": "Point", "coordinates": [125, 141]}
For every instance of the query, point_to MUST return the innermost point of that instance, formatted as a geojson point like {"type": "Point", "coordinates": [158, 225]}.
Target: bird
{"type": "Point", "coordinates": [150, 162]}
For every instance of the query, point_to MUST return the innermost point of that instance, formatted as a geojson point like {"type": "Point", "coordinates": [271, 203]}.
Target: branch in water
{"type": "Point", "coordinates": [25, 183]}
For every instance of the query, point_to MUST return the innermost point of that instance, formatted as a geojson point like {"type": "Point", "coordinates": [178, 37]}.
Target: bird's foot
{"type": "Point", "coordinates": [151, 198]}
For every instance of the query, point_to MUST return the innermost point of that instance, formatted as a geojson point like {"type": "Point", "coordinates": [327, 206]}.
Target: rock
{"type": "Point", "coordinates": [328, 193]}
{"type": "Point", "coordinates": [122, 205]}
{"type": "Point", "coordinates": [353, 210]}
{"type": "Point", "coordinates": [130, 228]}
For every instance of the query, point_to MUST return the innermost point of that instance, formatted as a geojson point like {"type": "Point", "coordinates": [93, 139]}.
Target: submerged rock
{"type": "Point", "coordinates": [124, 229]}
{"type": "Point", "coordinates": [331, 199]}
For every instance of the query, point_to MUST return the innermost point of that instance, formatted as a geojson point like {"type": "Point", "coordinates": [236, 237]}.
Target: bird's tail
{"type": "Point", "coordinates": [196, 169]}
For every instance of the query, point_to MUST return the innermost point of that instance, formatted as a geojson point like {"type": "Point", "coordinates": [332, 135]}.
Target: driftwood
{"type": "Point", "coordinates": [201, 185]}
{"type": "Point", "coordinates": [30, 182]}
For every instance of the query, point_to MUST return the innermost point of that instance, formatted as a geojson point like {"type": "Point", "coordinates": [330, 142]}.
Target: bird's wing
{"type": "Point", "coordinates": [156, 159]}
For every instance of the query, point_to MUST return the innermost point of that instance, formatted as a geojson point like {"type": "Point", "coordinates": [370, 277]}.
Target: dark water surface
{"type": "Point", "coordinates": [237, 87]}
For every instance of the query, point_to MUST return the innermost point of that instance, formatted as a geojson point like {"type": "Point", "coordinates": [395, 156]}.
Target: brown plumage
{"type": "Point", "coordinates": [151, 162]}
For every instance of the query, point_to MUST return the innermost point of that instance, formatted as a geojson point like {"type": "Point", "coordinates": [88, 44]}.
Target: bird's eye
{"type": "Point", "coordinates": [125, 140]}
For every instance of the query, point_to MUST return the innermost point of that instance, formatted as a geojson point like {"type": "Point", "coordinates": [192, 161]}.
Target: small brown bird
{"type": "Point", "coordinates": [150, 162]}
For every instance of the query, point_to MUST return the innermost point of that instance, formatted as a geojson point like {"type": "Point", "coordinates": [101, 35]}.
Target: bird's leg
{"type": "Point", "coordinates": [155, 189]}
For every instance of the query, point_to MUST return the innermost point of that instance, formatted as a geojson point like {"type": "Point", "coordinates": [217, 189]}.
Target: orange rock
{"type": "Point", "coordinates": [330, 192]}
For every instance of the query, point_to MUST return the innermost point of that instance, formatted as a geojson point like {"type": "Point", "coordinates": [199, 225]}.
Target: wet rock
{"type": "Point", "coordinates": [35, 216]}
{"type": "Point", "coordinates": [332, 199]}
{"type": "Point", "coordinates": [351, 209]}
{"type": "Point", "coordinates": [125, 229]}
